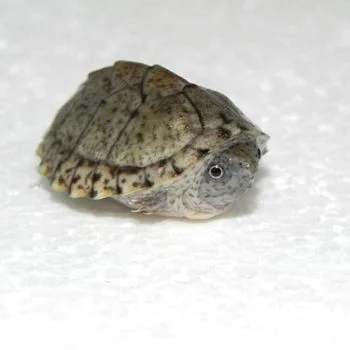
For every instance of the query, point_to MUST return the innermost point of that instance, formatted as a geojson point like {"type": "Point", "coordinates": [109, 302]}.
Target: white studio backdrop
{"type": "Point", "coordinates": [273, 273]}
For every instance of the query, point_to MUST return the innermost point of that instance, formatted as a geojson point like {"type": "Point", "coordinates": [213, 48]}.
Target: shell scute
{"type": "Point", "coordinates": [81, 184]}
{"type": "Point", "coordinates": [107, 124]}
{"type": "Point", "coordinates": [160, 129]}
{"type": "Point", "coordinates": [62, 179]}
{"type": "Point", "coordinates": [132, 73]}
{"type": "Point", "coordinates": [160, 82]}
{"type": "Point", "coordinates": [209, 112]}
{"type": "Point", "coordinates": [104, 182]}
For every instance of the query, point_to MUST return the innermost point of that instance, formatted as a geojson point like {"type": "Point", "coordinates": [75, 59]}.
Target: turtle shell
{"type": "Point", "coordinates": [131, 127]}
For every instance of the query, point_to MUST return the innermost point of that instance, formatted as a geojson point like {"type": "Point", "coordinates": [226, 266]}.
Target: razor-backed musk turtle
{"type": "Point", "coordinates": [153, 141]}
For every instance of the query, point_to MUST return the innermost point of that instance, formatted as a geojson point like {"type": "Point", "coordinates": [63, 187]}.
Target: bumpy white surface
{"type": "Point", "coordinates": [272, 274]}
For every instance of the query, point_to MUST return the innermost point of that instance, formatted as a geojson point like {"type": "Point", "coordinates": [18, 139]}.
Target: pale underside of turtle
{"type": "Point", "coordinates": [145, 136]}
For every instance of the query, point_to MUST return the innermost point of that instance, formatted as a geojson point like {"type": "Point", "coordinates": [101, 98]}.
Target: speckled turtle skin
{"type": "Point", "coordinates": [145, 136]}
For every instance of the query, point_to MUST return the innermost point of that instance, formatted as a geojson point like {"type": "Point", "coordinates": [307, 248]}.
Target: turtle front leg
{"type": "Point", "coordinates": [146, 202]}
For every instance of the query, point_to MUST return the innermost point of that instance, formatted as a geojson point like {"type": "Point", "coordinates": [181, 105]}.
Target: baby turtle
{"type": "Point", "coordinates": [153, 141]}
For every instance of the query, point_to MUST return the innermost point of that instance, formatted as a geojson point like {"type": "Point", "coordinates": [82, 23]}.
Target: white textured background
{"type": "Point", "coordinates": [273, 274]}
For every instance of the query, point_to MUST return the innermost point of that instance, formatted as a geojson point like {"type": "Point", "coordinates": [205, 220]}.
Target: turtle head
{"type": "Point", "coordinates": [224, 177]}
{"type": "Point", "coordinates": [208, 191]}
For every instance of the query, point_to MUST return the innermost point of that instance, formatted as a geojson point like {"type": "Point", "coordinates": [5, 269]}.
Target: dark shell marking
{"type": "Point", "coordinates": [131, 127]}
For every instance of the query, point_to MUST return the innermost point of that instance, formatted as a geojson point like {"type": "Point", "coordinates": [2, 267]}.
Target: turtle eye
{"type": "Point", "coordinates": [216, 171]}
